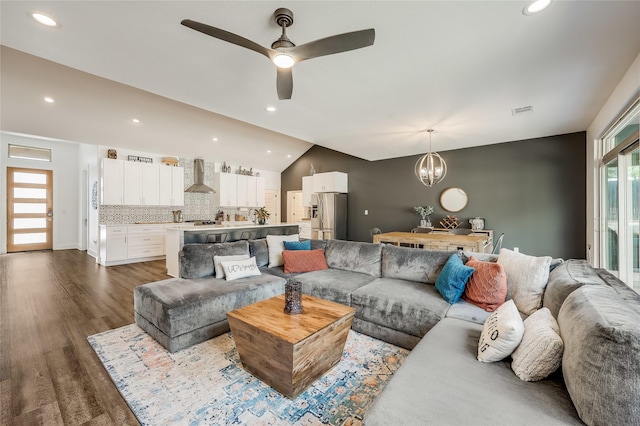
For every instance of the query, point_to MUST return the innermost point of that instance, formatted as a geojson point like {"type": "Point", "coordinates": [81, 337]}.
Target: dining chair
{"type": "Point", "coordinates": [374, 231]}
{"type": "Point", "coordinates": [498, 246]}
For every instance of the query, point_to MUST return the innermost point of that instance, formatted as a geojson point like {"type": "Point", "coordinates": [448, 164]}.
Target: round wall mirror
{"type": "Point", "coordinates": [453, 199]}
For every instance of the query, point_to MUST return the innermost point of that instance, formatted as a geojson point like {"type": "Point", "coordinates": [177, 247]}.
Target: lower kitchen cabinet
{"type": "Point", "coordinates": [120, 244]}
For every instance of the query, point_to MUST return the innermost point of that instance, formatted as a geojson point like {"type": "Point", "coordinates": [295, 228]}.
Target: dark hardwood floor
{"type": "Point", "coordinates": [50, 301]}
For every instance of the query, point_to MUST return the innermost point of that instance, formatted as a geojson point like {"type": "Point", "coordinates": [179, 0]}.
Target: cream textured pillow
{"type": "Point", "coordinates": [540, 351]}
{"type": "Point", "coordinates": [527, 277]}
{"type": "Point", "coordinates": [234, 269]}
{"type": "Point", "coordinates": [501, 334]}
{"type": "Point", "coordinates": [276, 245]}
{"type": "Point", "coordinates": [218, 259]}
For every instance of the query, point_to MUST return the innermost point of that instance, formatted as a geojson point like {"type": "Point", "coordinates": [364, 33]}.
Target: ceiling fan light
{"type": "Point", "coordinates": [282, 60]}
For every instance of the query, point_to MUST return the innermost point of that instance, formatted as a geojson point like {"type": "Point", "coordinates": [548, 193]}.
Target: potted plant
{"type": "Point", "coordinates": [424, 212]}
{"type": "Point", "coordinates": [262, 215]}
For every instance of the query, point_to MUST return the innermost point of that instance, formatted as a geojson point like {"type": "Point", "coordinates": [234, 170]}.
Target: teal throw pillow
{"type": "Point", "coordinates": [297, 245]}
{"type": "Point", "coordinates": [453, 278]}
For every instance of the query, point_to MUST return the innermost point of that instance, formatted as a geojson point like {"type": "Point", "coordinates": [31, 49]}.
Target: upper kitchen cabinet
{"type": "Point", "coordinates": [171, 186]}
{"type": "Point", "coordinates": [226, 187]}
{"type": "Point", "coordinates": [112, 183]}
{"type": "Point", "coordinates": [141, 184]}
{"type": "Point", "coordinates": [307, 191]}
{"type": "Point", "coordinates": [330, 182]}
{"type": "Point", "coordinates": [239, 190]}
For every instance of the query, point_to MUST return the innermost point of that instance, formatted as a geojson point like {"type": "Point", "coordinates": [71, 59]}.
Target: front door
{"type": "Point", "coordinates": [29, 209]}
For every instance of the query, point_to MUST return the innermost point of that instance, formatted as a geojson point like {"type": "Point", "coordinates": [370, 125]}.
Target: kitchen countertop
{"type": "Point", "coordinates": [214, 227]}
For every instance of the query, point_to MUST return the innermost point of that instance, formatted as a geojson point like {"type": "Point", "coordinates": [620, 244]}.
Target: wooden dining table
{"type": "Point", "coordinates": [437, 241]}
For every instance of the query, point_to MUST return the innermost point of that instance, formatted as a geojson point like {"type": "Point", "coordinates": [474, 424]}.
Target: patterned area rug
{"type": "Point", "coordinates": [206, 384]}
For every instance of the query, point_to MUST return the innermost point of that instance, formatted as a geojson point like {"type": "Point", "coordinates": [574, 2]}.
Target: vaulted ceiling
{"type": "Point", "coordinates": [459, 67]}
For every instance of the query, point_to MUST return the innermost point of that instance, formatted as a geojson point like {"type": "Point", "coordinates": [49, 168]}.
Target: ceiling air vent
{"type": "Point", "coordinates": [522, 110]}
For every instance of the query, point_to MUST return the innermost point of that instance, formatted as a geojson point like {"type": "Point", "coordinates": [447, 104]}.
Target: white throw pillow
{"type": "Point", "coordinates": [501, 334]}
{"type": "Point", "coordinates": [218, 259]}
{"type": "Point", "coordinates": [234, 269]}
{"type": "Point", "coordinates": [540, 351]}
{"type": "Point", "coordinates": [276, 245]}
{"type": "Point", "coordinates": [527, 278]}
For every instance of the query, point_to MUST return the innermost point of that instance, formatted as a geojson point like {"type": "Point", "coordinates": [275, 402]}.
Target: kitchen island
{"type": "Point", "coordinates": [179, 235]}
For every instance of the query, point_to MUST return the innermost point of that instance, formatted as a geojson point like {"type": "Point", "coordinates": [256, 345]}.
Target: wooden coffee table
{"type": "Point", "coordinates": [290, 352]}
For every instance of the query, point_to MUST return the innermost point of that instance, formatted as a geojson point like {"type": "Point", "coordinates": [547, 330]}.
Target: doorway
{"type": "Point", "coordinates": [29, 209]}
{"type": "Point", "coordinates": [295, 209]}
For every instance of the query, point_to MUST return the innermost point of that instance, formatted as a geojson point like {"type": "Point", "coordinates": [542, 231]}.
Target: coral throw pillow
{"type": "Point", "coordinates": [304, 260]}
{"type": "Point", "coordinates": [487, 287]}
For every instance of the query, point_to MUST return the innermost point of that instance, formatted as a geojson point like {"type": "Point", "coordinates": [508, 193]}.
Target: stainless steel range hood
{"type": "Point", "coordinates": [198, 185]}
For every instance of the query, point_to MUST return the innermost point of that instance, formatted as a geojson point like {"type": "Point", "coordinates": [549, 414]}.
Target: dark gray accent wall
{"type": "Point", "coordinates": [532, 190]}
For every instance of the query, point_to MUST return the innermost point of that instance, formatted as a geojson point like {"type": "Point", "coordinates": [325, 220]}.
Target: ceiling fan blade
{"type": "Point", "coordinates": [227, 36]}
{"type": "Point", "coordinates": [285, 83]}
{"type": "Point", "coordinates": [334, 44]}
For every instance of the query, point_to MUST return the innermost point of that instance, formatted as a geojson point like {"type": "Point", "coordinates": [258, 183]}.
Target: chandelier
{"type": "Point", "coordinates": [430, 168]}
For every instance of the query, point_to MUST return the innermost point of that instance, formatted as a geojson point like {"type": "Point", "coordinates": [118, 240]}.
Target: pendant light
{"type": "Point", "coordinates": [430, 168]}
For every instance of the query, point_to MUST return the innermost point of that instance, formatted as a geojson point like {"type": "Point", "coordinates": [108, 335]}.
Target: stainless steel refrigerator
{"type": "Point", "coordinates": [330, 221]}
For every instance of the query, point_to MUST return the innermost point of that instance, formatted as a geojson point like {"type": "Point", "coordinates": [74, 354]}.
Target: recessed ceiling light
{"type": "Point", "coordinates": [536, 7]}
{"type": "Point", "coordinates": [288, 155]}
{"type": "Point", "coordinates": [44, 19]}
{"type": "Point", "coordinates": [268, 151]}
{"type": "Point", "coordinates": [49, 100]}
{"type": "Point", "coordinates": [271, 109]}
{"type": "Point", "coordinates": [135, 121]}
{"type": "Point", "coordinates": [215, 139]}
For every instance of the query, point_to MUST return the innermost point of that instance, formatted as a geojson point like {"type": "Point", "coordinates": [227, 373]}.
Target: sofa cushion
{"type": "Point", "coordinates": [304, 260]}
{"type": "Point", "coordinates": [354, 256]}
{"type": "Point", "coordinates": [526, 279]}
{"type": "Point", "coordinates": [235, 269]}
{"type": "Point", "coordinates": [566, 278]}
{"type": "Point", "coordinates": [196, 260]}
{"type": "Point", "coordinates": [259, 250]}
{"type": "Point", "coordinates": [406, 263]}
{"type": "Point", "coordinates": [601, 361]}
{"type": "Point", "coordinates": [487, 287]}
{"type": "Point", "coordinates": [332, 284]}
{"type": "Point", "coordinates": [276, 246]}
{"type": "Point", "coordinates": [442, 383]}
{"type": "Point", "coordinates": [453, 279]}
{"type": "Point", "coordinates": [406, 306]}
{"type": "Point", "coordinates": [501, 334]}
{"type": "Point", "coordinates": [540, 351]}
{"type": "Point", "coordinates": [297, 245]}
{"type": "Point", "coordinates": [217, 262]}
{"type": "Point", "coordinates": [467, 311]}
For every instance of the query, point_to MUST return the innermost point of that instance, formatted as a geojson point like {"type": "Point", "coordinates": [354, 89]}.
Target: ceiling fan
{"type": "Point", "coordinates": [283, 53]}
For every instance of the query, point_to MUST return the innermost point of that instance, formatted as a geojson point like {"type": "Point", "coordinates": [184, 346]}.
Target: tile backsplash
{"type": "Point", "coordinates": [196, 205]}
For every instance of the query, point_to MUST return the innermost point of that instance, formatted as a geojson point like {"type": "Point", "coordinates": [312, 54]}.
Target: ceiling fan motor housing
{"type": "Point", "coordinates": [283, 16]}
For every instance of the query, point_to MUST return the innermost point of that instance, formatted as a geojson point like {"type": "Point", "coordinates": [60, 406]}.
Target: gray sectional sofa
{"type": "Point", "coordinates": [441, 381]}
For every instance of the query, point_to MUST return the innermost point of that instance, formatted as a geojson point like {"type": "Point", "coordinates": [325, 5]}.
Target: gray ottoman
{"type": "Point", "coordinates": [182, 312]}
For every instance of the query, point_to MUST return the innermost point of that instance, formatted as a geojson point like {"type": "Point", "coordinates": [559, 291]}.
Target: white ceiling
{"type": "Point", "coordinates": [456, 66]}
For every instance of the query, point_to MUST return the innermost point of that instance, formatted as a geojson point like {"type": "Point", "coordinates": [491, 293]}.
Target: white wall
{"type": "Point", "coordinates": [626, 90]}
{"type": "Point", "coordinates": [64, 164]}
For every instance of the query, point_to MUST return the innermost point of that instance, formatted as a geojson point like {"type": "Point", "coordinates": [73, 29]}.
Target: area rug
{"type": "Point", "coordinates": [206, 384]}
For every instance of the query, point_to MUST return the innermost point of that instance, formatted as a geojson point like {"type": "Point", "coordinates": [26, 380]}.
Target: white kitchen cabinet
{"type": "Point", "coordinates": [260, 192]}
{"type": "Point", "coordinates": [145, 241]}
{"type": "Point", "coordinates": [330, 182]}
{"type": "Point", "coordinates": [226, 187]}
{"type": "Point", "coordinates": [239, 190]}
{"type": "Point", "coordinates": [112, 183]}
{"type": "Point", "coordinates": [243, 191]}
{"type": "Point", "coordinates": [141, 184]}
{"type": "Point", "coordinates": [120, 244]}
{"type": "Point", "coordinates": [113, 243]}
{"type": "Point", "coordinates": [307, 191]}
{"type": "Point", "coordinates": [305, 228]}
{"type": "Point", "coordinates": [171, 186]}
